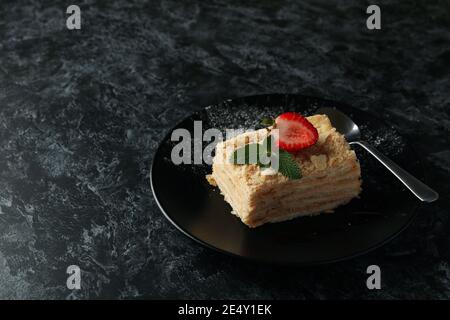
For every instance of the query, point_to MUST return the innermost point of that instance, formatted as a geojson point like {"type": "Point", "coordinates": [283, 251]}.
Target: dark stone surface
{"type": "Point", "coordinates": [81, 113]}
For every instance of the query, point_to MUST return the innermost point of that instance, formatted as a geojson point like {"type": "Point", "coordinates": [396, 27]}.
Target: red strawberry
{"type": "Point", "coordinates": [295, 132]}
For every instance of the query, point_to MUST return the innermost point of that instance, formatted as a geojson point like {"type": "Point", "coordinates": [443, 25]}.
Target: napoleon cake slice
{"type": "Point", "coordinates": [330, 177]}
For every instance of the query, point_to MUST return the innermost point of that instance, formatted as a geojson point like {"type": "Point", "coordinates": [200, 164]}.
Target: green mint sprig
{"type": "Point", "coordinates": [250, 154]}
{"type": "Point", "coordinates": [288, 167]}
{"type": "Point", "coordinates": [267, 122]}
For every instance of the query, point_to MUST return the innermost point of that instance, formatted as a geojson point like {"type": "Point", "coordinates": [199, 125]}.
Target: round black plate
{"type": "Point", "coordinates": [198, 210]}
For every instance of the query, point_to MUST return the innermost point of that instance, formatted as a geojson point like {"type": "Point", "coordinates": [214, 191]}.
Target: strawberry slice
{"type": "Point", "coordinates": [295, 132]}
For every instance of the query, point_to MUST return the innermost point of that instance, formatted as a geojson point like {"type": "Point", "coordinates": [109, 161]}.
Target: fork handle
{"type": "Point", "coordinates": [420, 189]}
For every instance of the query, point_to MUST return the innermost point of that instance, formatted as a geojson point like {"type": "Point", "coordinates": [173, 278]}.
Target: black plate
{"type": "Point", "coordinates": [197, 209]}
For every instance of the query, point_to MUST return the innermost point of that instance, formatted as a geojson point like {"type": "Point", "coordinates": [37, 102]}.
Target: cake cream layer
{"type": "Point", "coordinates": [308, 183]}
{"type": "Point", "coordinates": [286, 203]}
{"type": "Point", "coordinates": [283, 215]}
{"type": "Point", "coordinates": [350, 181]}
{"type": "Point", "coordinates": [330, 177]}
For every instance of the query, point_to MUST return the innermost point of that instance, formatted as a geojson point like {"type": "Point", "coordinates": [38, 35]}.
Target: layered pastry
{"type": "Point", "coordinates": [328, 176]}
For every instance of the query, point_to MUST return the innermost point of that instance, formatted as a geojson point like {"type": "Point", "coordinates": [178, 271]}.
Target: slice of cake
{"type": "Point", "coordinates": [330, 176]}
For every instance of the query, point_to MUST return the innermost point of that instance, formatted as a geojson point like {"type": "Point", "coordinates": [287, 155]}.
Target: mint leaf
{"type": "Point", "coordinates": [247, 154]}
{"type": "Point", "coordinates": [267, 122]}
{"type": "Point", "coordinates": [267, 144]}
{"type": "Point", "coordinates": [288, 167]}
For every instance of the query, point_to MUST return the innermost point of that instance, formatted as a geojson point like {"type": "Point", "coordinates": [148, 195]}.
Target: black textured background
{"type": "Point", "coordinates": [82, 112]}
